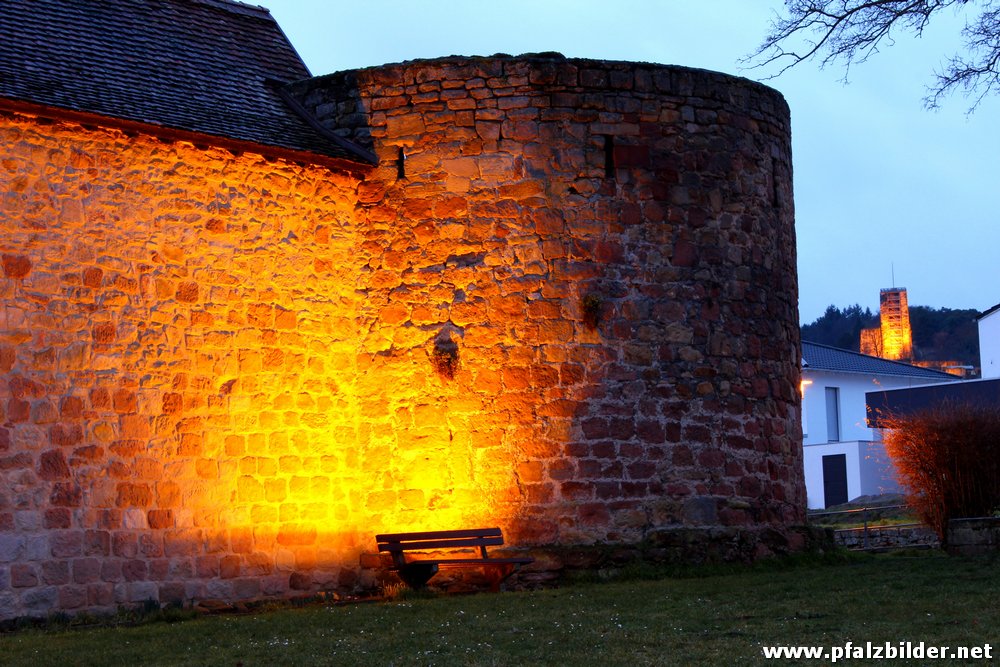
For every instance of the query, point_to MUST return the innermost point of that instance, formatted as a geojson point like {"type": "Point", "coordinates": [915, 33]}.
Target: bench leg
{"type": "Point", "coordinates": [416, 575]}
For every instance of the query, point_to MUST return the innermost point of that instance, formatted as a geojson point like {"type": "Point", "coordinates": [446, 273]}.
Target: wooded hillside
{"type": "Point", "coordinates": [939, 334]}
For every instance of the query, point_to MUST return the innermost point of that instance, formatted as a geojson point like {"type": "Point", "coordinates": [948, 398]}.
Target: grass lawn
{"type": "Point", "coordinates": [709, 618]}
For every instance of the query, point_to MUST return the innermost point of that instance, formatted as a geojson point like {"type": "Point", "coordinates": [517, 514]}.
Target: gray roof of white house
{"type": "Point", "coordinates": [989, 311]}
{"type": "Point", "coordinates": [818, 357]}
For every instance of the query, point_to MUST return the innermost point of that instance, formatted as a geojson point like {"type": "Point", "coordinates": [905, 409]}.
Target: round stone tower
{"type": "Point", "coordinates": [581, 298]}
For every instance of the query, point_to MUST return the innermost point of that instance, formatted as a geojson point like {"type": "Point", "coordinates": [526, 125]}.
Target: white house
{"type": "Point", "coordinates": [989, 343]}
{"type": "Point", "coordinates": [844, 458]}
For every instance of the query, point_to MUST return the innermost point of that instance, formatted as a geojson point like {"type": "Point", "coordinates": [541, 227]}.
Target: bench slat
{"type": "Point", "coordinates": [439, 534]}
{"type": "Point", "coordinates": [464, 543]}
{"type": "Point", "coordinates": [477, 561]}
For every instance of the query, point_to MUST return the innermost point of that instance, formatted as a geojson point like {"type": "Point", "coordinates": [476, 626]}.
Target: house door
{"type": "Point", "coordinates": [834, 479]}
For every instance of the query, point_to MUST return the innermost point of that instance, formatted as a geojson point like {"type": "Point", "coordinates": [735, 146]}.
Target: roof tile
{"type": "Point", "coordinates": [826, 358]}
{"type": "Point", "coordinates": [204, 66]}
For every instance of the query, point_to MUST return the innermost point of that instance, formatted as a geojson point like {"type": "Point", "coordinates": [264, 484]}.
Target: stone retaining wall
{"type": "Point", "coordinates": [974, 537]}
{"type": "Point", "coordinates": [888, 537]}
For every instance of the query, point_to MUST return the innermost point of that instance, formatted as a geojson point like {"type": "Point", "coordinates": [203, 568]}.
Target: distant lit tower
{"type": "Point", "coordinates": [897, 339]}
{"type": "Point", "coordinates": [893, 339]}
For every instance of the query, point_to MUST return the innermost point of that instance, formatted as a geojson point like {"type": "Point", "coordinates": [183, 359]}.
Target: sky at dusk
{"type": "Point", "coordinates": [883, 187]}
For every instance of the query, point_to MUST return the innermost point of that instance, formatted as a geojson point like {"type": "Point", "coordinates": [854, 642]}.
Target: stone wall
{"type": "Point", "coordinates": [974, 537]}
{"type": "Point", "coordinates": [569, 310]}
{"type": "Point", "coordinates": [178, 357]}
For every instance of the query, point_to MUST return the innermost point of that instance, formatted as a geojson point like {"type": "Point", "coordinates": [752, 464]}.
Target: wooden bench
{"type": "Point", "coordinates": [416, 573]}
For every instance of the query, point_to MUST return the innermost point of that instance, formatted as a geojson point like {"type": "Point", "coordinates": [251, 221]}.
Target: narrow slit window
{"type": "Point", "coordinates": [401, 164]}
{"type": "Point", "coordinates": [775, 183]}
{"type": "Point", "coordinates": [609, 156]}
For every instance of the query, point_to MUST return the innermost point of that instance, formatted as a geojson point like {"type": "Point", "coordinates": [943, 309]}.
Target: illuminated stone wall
{"type": "Point", "coordinates": [569, 312]}
{"type": "Point", "coordinates": [179, 354]}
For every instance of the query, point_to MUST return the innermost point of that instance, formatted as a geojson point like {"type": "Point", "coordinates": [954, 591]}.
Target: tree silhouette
{"type": "Point", "coordinates": [840, 328]}
{"type": "Point", "coordinates": [851, 31]}
{"type": "Point", "coordinates": [939, 334]}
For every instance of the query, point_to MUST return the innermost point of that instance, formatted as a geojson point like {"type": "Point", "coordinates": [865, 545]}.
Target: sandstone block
{"type": "Point", "coordinates": [141, 591]}
{"type": "Point", "coordinates": [92, 276]}
{"type": "Point", "coordinates": [161, 518]}
{"type": "Point", "coordinates": [52, 465]}
{"type": "Point", "coordinates": [111, 570]}
{"type": "Point", "coordinates": [16, 266]}
{"type": "Point", "coordinates": [23, 576]}
{"type": "Point", "coordinates": [96, 542]}
{"type": "Point", "coordinates": [18, 410]}
{"type": "Point", "coordinates": [55, 572]}
{"type": "Point", "coordinates": [65, 494]}
{"type": "Point", "coordinates": [66, 543]}
{"type": "Point", "coordinates": [246, 588]}
{"type": "Point", "coordinates": [187, 292]}
{"type": "Point", "coordinates": [133, 495]}
{"type": "Point", "coordinates": [39, 601]}
{"type": "Point", "coordinates": [86, 570]}
{"type": "Point", "coordinates": [100, 595]}
{"type": "Point", "coordinates": [104, 333]}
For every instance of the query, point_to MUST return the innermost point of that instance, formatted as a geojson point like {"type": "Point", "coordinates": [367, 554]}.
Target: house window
{"type": "Point", "coordinates": [832, 414]}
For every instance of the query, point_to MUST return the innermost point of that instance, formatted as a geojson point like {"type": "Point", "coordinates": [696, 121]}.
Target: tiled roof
{"type": "Point", "coordinates": [204, 66]}
{"type": "Point", "coordinates": [825, 358]}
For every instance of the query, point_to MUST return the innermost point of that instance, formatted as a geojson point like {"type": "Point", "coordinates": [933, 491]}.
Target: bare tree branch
{"type": "Point", "coordinates": [851, 31]}
{"type": "Point", "coordinates": [977, 74]}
